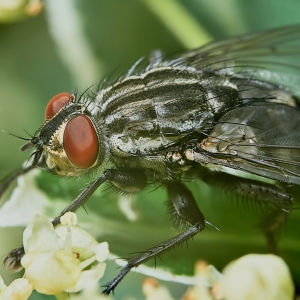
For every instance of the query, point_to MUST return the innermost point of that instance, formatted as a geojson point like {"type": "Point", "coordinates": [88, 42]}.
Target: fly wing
{"type": "Point", "coordinates": [262, 138]}
{"type": "Point", "coordinates": [270, 56]}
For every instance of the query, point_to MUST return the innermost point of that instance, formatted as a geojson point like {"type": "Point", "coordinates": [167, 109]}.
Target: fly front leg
{"type": "Point", "coordinates": [6, 182]}
{"type": "Point", "coordinates": [133, 180]}
{"type": "Point", "coordinates": [186, 211]}
{"type": "Point", "coordinates": [128, 181]}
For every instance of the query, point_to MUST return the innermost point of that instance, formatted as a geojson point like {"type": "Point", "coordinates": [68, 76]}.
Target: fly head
{"type": "Point", "coordinates": [68, 140]}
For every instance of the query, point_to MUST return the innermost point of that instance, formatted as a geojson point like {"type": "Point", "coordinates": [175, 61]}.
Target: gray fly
{"type": "Point", "coordinates": [232, 104]}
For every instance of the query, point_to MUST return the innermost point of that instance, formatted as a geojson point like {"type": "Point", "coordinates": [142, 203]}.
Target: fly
{"type": "Point", "coordinates": [230, 104]}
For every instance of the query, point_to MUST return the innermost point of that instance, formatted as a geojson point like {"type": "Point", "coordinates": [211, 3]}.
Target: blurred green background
{"type": "Point", "coordinates": [73, 44]}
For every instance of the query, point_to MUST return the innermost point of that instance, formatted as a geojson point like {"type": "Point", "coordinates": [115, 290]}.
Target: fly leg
{"type": "Point", "coordinates": [133, 180]}
{"type": "Point", "coordinates": [9, 179]}
{"type": "Point", "coordinates": [37, 161]}
{"type": "Point", "coordinates": [275, 198]}
{"type": "Point", "coordinates": [128, 181]}
{"type": "Point", "coordinates": [270, 226]}
{"type": "Point", "coordinates": [186, 210]}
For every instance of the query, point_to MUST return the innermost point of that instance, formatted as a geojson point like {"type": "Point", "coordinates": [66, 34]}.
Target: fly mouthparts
{"type": "Point", "coordinates": [27, 146]}
{"type": "Point", "coordinates": [31, 143]}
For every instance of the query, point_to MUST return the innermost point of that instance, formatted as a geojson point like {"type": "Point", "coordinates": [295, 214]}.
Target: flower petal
{"type": "Point", "coordinates": [101, 251]}
{"type": "Point", "coordinates": [82, 242]}
{"type": "Point", "coordinates": [256, 276]}
{"type": "Point", "coordinates": [19, 289]}
{"type": "Point", "coordinates": [40, 235]}
{"type": "Point", "coordinates": [88, 276]}
{"type": "Point", "coordinates": [51, 272]}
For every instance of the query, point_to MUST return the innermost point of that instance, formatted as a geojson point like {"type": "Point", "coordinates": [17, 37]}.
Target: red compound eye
{"type": "Point", "coordinates": [81, 142]}
{"type": "Point", "coordinates": [57, 103]}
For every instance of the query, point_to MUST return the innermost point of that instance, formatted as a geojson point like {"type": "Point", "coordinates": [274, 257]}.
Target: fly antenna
{"type": "Point", "coordinates": [28, 133]}
{"type": "Point", "coordinates": [17, 136]}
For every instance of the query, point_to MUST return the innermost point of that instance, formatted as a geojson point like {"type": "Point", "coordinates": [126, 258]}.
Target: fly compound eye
{"type": "Point", "coordinates": [81, 142]}
{"type": "Point", "coordinates": [57, 103]}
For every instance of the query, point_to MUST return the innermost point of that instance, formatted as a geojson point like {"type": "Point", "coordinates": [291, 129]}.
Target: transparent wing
{"type": "Point", "coordinates": [262, 139]}
{"type": "Point", "coordinates": [270, 56]}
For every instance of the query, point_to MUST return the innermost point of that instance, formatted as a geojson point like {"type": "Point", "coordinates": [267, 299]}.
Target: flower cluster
{"type": "Point", "coordinates": [250, 277]}
{"type": "Point", "coordinates": [57, 261]}
{"type": "Point", "coordinates": [67, 260]}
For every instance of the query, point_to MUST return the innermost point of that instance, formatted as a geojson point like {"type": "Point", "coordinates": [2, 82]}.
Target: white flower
{"type": "Point", "coordinates": [55, 260]}
{"type": "Point", "coordinates": [253, 276]}
{"type": "Point", "coordinates": [257, 277]}
{"type": "Point", "coordinates": [152, 290]}
{"type": "Point", "coordinates": [205, 277]}
{"type": "Point", "coordinates": [19, 289]}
